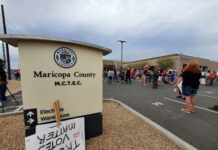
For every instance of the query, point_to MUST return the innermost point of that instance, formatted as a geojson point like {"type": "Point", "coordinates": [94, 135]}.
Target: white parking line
{"type": "Point", "coordinates": [214, 91]}
{"type": "Point", "coordinates": [208, 96]}
{"type": "Point", "coordinates": [10, 107]}
{"type": "Point", "coordinates": [208, 92]}
{"type": "Point", "coordinates": [17, 100]}
{"type": "Point", "coordinates": [14, 100]}
{"type": "Point", "coordinates": [19, 108]}
{"type": "Point", "coordinates": [195, 105]}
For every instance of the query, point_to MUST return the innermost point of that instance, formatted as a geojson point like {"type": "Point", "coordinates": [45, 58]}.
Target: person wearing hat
{"type": "Point", "coordinates": [3, 82]}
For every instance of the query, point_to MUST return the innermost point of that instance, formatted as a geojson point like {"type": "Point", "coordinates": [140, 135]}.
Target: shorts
{"type": "Point", "coordinates": [144, 77]}
{"type": "Point", "coordinates": [189, 91]}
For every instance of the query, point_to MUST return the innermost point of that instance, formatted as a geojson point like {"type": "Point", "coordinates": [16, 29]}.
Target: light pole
{"type": "Point", "coordinates": [121, 42]}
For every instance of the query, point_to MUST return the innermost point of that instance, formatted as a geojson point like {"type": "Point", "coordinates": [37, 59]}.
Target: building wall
{"type": "Point", "coordinates": [153, 61]}
{"type": "Point", "coordinates": [111, 64]}
{"type": "Point", "coordinates": [180, 61]}
{"type": "Point", "coordinates": [205, 64]}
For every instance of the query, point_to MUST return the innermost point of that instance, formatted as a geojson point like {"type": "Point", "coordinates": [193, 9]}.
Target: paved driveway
{"type": "Point", "coordinates": [161, 105]}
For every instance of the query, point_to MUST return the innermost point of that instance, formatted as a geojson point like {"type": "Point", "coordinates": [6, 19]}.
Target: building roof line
{"type": "Point", "coordinates": [153, 58]}
{"type": "Point", "coordinates": [168, 56]}
{"type": "Point", "coordinates": [114, 60]}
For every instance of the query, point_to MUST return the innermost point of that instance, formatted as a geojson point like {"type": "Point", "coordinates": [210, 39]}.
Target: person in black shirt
{"type": "Point", "coordinates": [155, 76]}
{"type": "Point", "coordinates": [128, 80]}
{"type": "Point", "coordinates": [3, 82]}
{"type": "Point", "coordinates": [115, 75]}
{"type": "Point", "coordinates": [191, 81]}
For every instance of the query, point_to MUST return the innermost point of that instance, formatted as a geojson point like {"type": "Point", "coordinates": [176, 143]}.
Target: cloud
{"type": "Point", "coordinates": [14, 59]}
{"type": "Point", "coordinates": [111, 17]}
{"type": "Point", "coordinates": [149, 27]}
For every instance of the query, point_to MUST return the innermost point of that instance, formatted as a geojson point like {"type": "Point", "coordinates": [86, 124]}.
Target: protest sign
{"type": "Point", "coordinates": [48, 126]}
{"type": "Point", "coordinates": [66, 137]}
{"type": "Point", "coordinates": [203, 81]}
{"type": "Point", "coordinates": [180, 87]}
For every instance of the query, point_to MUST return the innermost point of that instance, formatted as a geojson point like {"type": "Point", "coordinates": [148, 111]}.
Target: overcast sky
{"type": "Point", "coordinates": [150, 27]}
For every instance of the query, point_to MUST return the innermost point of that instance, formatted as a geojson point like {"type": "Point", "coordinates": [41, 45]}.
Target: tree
{"type": "Point", "coordinates": [130, 66]}
{"type": "Point", "coordinates": [137, 66]}
{"type": "Point", "coordinates": [165, 63]}
{"type": "Point", "coordinates": [140, 66]}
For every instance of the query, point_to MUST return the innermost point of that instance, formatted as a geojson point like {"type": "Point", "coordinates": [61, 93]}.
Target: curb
{"type": "Point", "coordinates": [11, 113]}
{"type": "Point", "coordinates": [176, 140]}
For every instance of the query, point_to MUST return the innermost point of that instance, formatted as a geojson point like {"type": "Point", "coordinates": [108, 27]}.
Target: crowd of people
{"type": "Point", "coordinates": [189, 78]}
{"type": "Point", "coordinates": [121, 76]}
{"type": "Point", "coordinates": [147, 76]}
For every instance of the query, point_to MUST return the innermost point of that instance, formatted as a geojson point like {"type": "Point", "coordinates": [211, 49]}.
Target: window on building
{"type": "Point", "coordinates": [109, 67]}
{"type": "Point", "coordinates": [205, 68]}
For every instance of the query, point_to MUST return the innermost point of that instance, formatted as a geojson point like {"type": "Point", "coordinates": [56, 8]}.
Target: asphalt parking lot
{"type": "Point", "coordinates": [13, 104]}
{"type": "Point", "coordinates": [200, 128]}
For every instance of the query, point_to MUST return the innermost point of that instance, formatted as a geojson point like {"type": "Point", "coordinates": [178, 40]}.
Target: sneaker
{"type": "Point", "coordinates": [192, 109]}
{"type": "Point", "coordinates": [186, 110]}
{"type": "Point", "coordinates": [179, 96]}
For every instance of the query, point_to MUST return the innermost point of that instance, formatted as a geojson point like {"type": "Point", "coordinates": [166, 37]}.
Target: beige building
{"type": "Point", "coordinates": [180, 61]}
{"type": "Point", "coordinates": [111, 64]}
